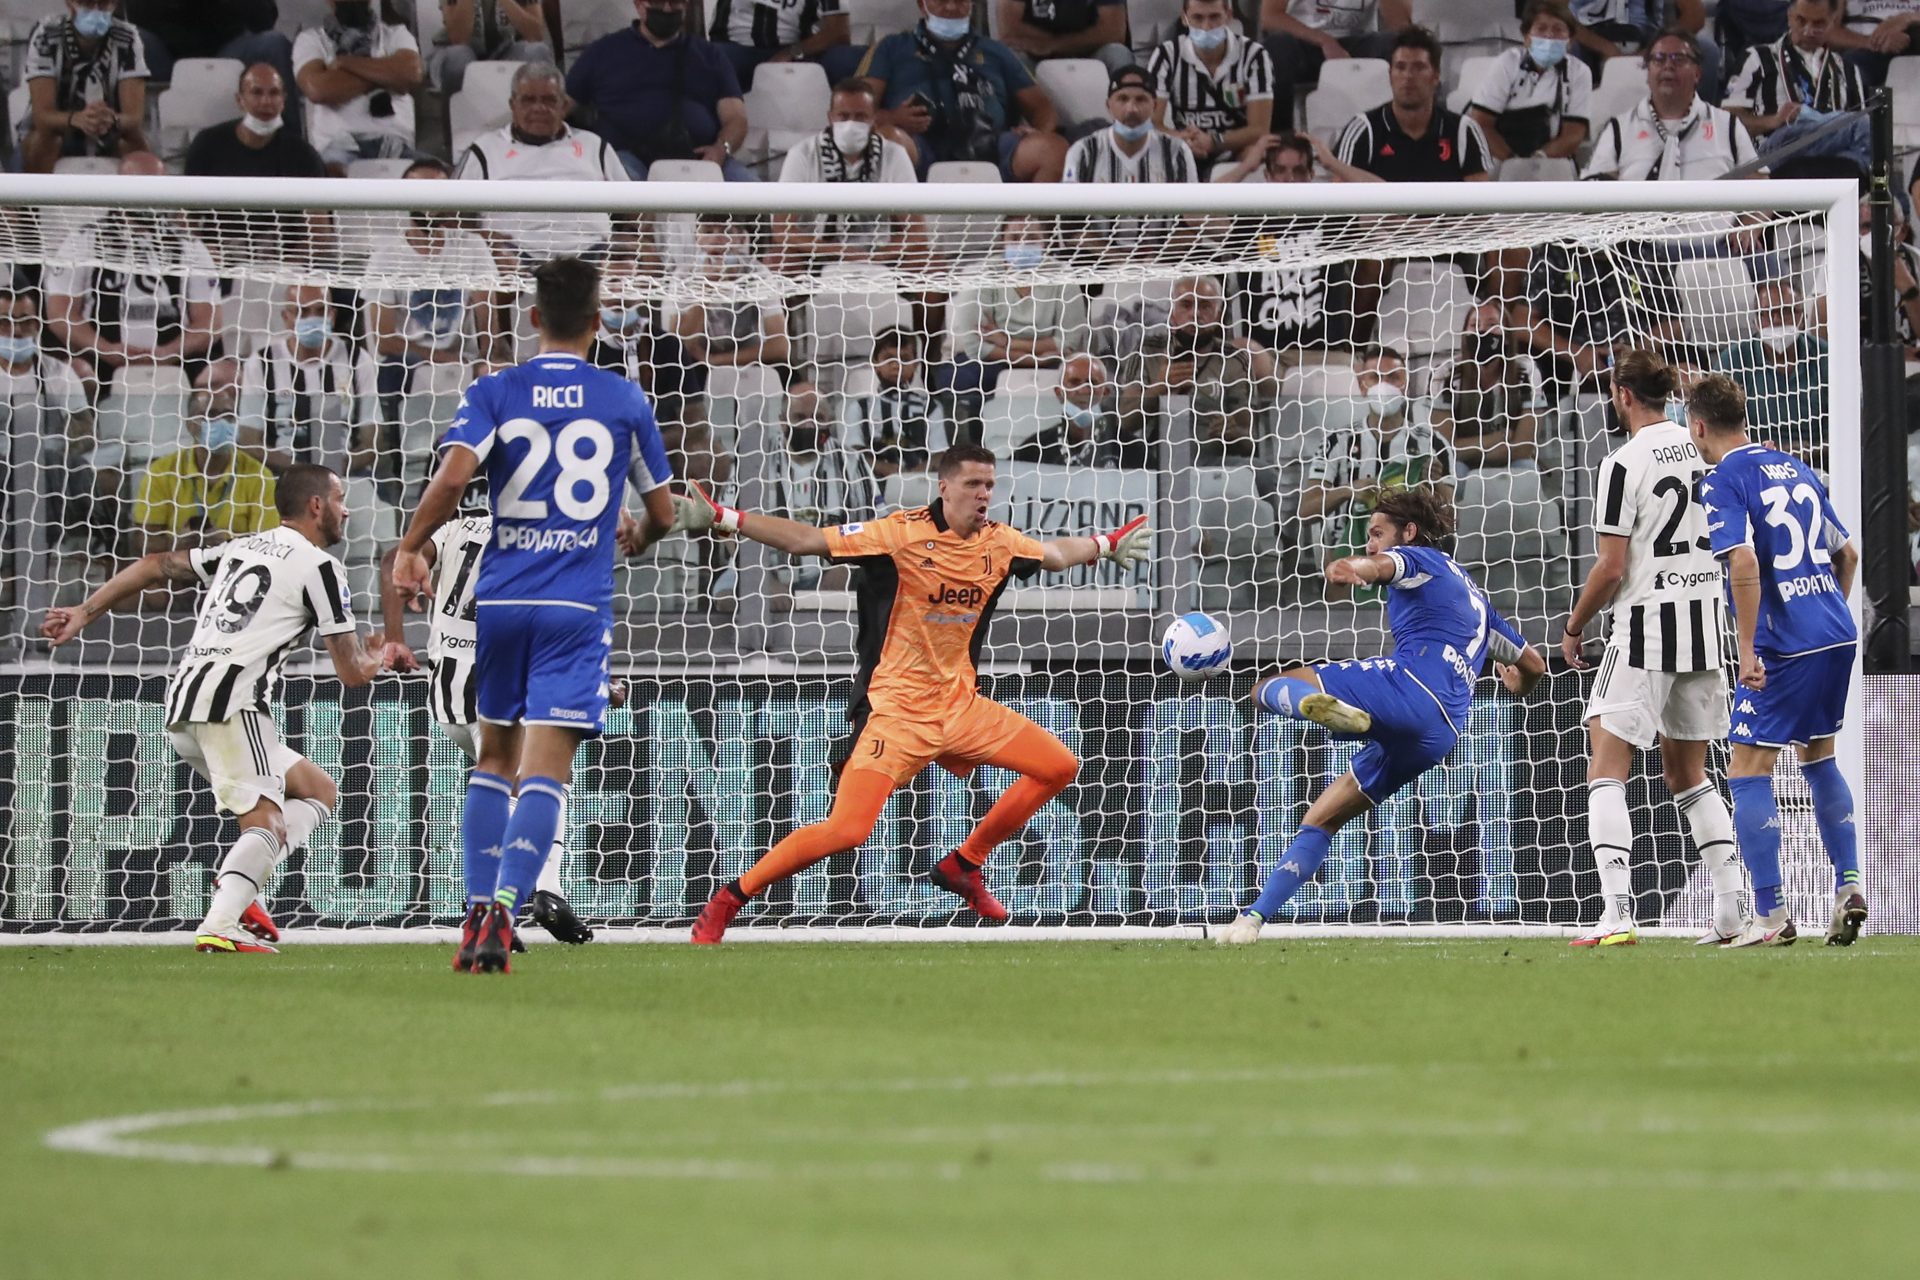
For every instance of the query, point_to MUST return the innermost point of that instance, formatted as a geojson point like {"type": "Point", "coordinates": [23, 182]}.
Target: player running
{"type": "Point", "coordinates": [1409, 708]}
{"type": "Point", "coordinates": [1790, 570]}
{"type": "Point", "coordinates": [927, 582]}
{"type": "Point", "coordinates": [559, 439]}
{"type": "Point", "coordinates": [1661, 676]}
{"type": "Point", "coordinates": [265, 593]}
{"type": "Point", "coordinates": [454, 554]}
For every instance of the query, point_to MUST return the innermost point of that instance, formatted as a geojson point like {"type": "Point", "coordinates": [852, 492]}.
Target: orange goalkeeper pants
{"type": "Point", "coordinates": [1042, 760]}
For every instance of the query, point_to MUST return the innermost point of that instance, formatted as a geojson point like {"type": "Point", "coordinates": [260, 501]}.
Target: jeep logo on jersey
{"type": "Point", "coordinates": [963, 596]}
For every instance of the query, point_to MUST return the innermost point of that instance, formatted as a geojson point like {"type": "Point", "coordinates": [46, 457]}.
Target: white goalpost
{"type": "Point", "coordinates": [1201, 355]}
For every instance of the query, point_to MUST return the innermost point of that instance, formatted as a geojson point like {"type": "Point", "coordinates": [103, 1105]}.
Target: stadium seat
{"type": "Point", "coordinates": [1152, 22]}
{"type": "Point", "coordinates": [1464, 21]}
{"type": "Point", "coordinates": [1022, 404]}
{"type": "Point", "coordinates": [1623, 83]}
{"type": "Point", "coordinates": [1424, 309]}
{"type": "Point", "coordinates": [963, 171]}
{"type": "Point", "coordinates": [906, 489]}
{"type": "Point", "coordinates": [1472, 72]}
{"type": "Point", "coordinates": [1363, 81]}
{"type": "Point", "coordinates": [372, 527]}
{"type": "Point", "coordinates": [1903, 80]}
{"type": "Point", "coordinates": [104, 166]}
{"type": "Point", "coordinates": [873, 20]}
{"type": "Point", "coordinates": [1538, 169]}
{"type": "Point", "coordinates": [379, 168]}
{"type": "Point", "coordinates": [1717, 304]}
{"type": "Point", "coordinates": [481, 104]}
{"type": "Point", "coordinates": [842, 318]}
{"type": "Point", "coordinates": [794, 94]}
{"type": "Point", "coordinates": [685, 171]}
{"type": "Point", "coordinates": [584, 21]}
{"type": "Point", "coordinates": [201, 95]}
{"type": "Point", "coordinates": [967, 238]}
{"type": "Point", "coordinates": [1078, 87]}
{"type": "Point", "coordinates": [145, 412]}
{"type": "Point", "coordinates": [295, 14]}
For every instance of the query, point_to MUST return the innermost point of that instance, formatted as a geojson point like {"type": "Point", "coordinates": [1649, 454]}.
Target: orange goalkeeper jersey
{"type": "Point", "coordinates": [925, 595]}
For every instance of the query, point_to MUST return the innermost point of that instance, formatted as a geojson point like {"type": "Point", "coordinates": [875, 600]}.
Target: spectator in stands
{"type": "Point", "coordinates": [1877, 32]}
{"type": "Point", "coordinates": [965, 97]}
{"type": "Point", "coordinates": [310, 394]}
{"type": "Point", "coordinates": [1673, 134]}
{"type": "Point", "coordinates": [1284, 157]}
{"type": "Point", "coordinates": [1788, 88]}
{"type": "Point", "coordinates": [658, 94]}
{"type": "Point", "coordinates": [359, 71]}
{"type": "Point", "coordinates": [816, 478]}
{"type": "Point", "coordinates": [634, 342]}
{"type": "Point", "coordinates": [1783, 371]}
{"type": "Point", "coordinates": [50, 487]}
{"type": "Point", "coordinates": [1533, 101]}
{"type": "Point", "coordinates": [1495, 400]}
{"type": "Point", "coordinates": [1025, 325]}
{"type": "Point", "coordinates": [486, 31]}
{"type": "Point", "coordinates": [1610, 28]}
{"type": "Point", "coordinates": [1412, 137]}
{"type": "Point", "coordinates": [739, 329]}
{"type": "Point", "coordinates": [1284, 308]}
{"type": "Point", "coordinates": [1088, 432]}
{"type": "Point", "coordinates": [86, 76]}
{"type": "Point", "coordinates": [850, 149]}
{"type": "Point", "coordinates": [750, 32]}
{"type": "Point", "coordinates": [144, 309]}
{"type": "Point", "coordinates": [1394, 446]}
{"type": "Point", "coordinates": [239, 29]}
{"type": "Point", "coordinates": [1195, 357]}
{"type": "Point", "coordinates": [210, 490]}
{"type": "Point", "coordinates": [1742, 25]}
{"type": "Point", "coordinates": [1304, 34]}
{"type": "Point", "coordinates": [1213, 86]}
{"type": "Point", "coordinates": [258, 144]}
{"type": "Point", "coordinates": [899, 427]}
{"type": "Point", "coordinates": [538, 145]}
{"type": "Point", "coordinates": [1130, 149]}
{"type": "Point", "coordinates": [1042, 29]}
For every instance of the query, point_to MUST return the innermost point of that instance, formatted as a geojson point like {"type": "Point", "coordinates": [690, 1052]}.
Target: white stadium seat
{"type": "Point", "coordinates": [202, 94]}
{"type": "Point", "coordinates": [1472, 72]}
{"type": "Point", "coordinates": [481, 105]}
{"type": "Point", "coordinates": [145, 413]}
{"type": "Point", "coordinates": [1078, 87]}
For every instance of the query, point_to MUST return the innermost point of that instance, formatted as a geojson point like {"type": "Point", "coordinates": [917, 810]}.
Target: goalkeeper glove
{"type": "Point", "coordinates": [1127, 545]}
{"type": "Point", "coordinates": [700, 512]}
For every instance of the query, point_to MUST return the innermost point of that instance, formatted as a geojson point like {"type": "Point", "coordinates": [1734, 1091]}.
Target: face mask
{"type": "Point", "coordinates": [1387, 399]}
{"type": "Point", "coordinates": [851, 135]}
{"type": "Point", "coordinates": [1866, 244]}
{"type": "Point", "coordinates": [1545, 52]}
{"type": "Point", "coordinates": [619, 319]}
{"type": "Point", "coordinates": [949, 28]}
{"type": "Point", "coordinates": [1132, 132]}
{"type": "Point", "coordinates": [260, 128]}
{"type": "Point", "coordinates": [93, 23]}
{"type": "Point", "coordinates": [220, 434]}
{"type": "Point", "coordinates": [14, 350]}
{"type": "Point", "coordinates": [1077, 414]}
{"type": "Point", "coordinates": [1025, 256]}
{"type": "Point", "coordinates": [1211, 38]}
{"type": "Point", "coordinates": [354, 13]}
{"type": "Point", "coordinates": [1780, 338]}
{"type": "Point", "coordinates": [1677, 412]}
{"type": "Point", "coordinates": [311, 332]}
{"type": "Point", "coordinates": [665, 23]}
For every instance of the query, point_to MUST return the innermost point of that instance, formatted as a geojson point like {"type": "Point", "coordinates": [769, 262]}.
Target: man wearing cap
{"type": "Point", "coordinates": [1130, 149]}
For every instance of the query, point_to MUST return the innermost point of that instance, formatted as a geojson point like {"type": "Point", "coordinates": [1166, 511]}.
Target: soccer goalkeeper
{"type": "Point", "coordinates": [926, 582]}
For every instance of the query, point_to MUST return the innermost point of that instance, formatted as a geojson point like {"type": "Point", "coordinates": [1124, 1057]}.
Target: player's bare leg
{"type": "Point", "coordinates": [857, 803]}
{"type": "Point", "coordinates": [1610, 832]}
{"type": "Point", "coordinates": [1334, 808]}
{"type": "Point", "coordinates": [1047, 768]}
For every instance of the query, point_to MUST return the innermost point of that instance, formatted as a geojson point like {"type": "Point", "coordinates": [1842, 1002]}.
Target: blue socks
{"type": "Point", "coordinates": [483, 824]}
{"type": "Point", "coordinates": [1303, 858]}
{"type": "Point", "coordinates": [1281, 695]}
{"type": "Point", "coordinates": [529, 838]}
{"type": "Point", "coordinates": [1756, 818]}
{"type": "Point", "coordinates": [1833, 813]}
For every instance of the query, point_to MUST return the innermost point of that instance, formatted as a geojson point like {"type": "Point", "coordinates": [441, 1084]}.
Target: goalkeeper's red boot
{"type": "Point", "coordinates": [719, 912]}
{"type": "Point", "coordinates": [493, 953]}
{"type": "Point", "coordinates": [469, 938]}
{"type": "Point", "coordinates": [257, 922]}
{"type": "Point", "coordinates": [958, 876]}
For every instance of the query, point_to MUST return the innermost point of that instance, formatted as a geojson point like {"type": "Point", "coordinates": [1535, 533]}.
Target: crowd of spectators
{"type": "Point", "coordinates": [335, 376]}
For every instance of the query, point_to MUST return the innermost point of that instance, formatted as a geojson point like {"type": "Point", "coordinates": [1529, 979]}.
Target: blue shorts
{"type": "Point", "coordinates": [1009, 143]}
{"type": "Point", "coordinates": [1805, 700]}
{"type": "Point", "coordinates": [542, 664]}
{"type": "Point", "coordinates": [1410, 733]}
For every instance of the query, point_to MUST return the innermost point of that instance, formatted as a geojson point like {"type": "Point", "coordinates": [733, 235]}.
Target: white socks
{"type": "Point", "coordinates": [301, 817]}
{"type": "Point", "coordinates": [1610, 831]}
{"type": "Point", "coordinates": [243, 874]}
{"type": "Point", "coordinates": [549, 881]}
{"type": "Point", "coordinates": [1712, 828]}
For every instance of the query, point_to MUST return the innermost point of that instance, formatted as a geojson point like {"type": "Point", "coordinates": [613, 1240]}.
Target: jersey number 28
{"type": "Point", "coordinates": [577, 469]}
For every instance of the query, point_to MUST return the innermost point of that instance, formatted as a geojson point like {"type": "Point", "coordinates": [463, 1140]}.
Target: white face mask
{"type": "Point", "coordinates": [1386, 398]}
{"type": "Point", "coordinates": [851, 135]}
{"type": "Point", "coordinates": [1779, 338]}
{"type": "Point", "coordinates": [260, 128]}
{"type": "Point", "coordinates": [1866, 243]}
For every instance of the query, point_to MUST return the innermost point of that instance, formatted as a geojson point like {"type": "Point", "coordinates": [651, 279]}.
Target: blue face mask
{"type": "Point", "coordinates": [1545, 52]}
{"type": "Point", "coordinates": [948, 28]}
{"type": "Point", "coordinates": [220, 434]}
{"type": "Point", "coordinates": [618, 319]}
{"type": "Point", "coordinates": [312, 332]}
{"type": "Point", "coordinates": [14, 350]}
{"type": "Point", "coordinates": [1677, 412]}
{"type": "Point", "coordinates": [93, 23]}
{"type": "Point", "coordinates": [1025, 255]}
{"type": "Point", "coordinates": [1132, 132]}
{"type": "Point", "coordinates": [1212, 38]}
{"type": "Point", "coordinates": [1077, 414]}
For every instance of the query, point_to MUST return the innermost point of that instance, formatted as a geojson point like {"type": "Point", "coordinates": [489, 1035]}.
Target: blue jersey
{"type": "Point", "coordinates": [558, 440]}
{"type": "Point", "coordinates": [1771, 501]}
{"type": "Point", "coordinates": [1443, 628]}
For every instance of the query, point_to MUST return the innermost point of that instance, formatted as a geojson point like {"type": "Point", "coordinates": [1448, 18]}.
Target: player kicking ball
{"type": "Point", "coordinates": [1409, 708]}
{"type": "Point", "coordinates": [265, 594]}
{"type": "Point", "coordinates": [1790, 570]}
{"type": "Point", "coordinates": [926, 582]}
{"type": "Point", "coordinates": [559, 440]}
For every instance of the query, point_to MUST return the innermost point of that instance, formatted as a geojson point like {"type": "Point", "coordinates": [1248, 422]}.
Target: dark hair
{"type": "Point", "coordinates": [434, 163]}
{"type": "Point", "coordinates": [960, 455]}
{"type": "Point", "coordinates": [567, 291]}
{"type": "Point", "coordinates": [1673, 32]}
{"type": "Point", "coordinates": [1417, 38]}
{"type": "Point", "coordinates": [1646, 376]}
{"type": "Point", "coordinates": [1546, 9]}
{"type": "Point", "coordinates": [894, 338]}
{"type": "Point", "coordinates": [857, 84]}
{"type": "Point", "coordinates": [300, 484]}
{"type": "Point", "coordinates": [1375, 351]}
{"type": "Point", "coordinates": [1423, 507]}
{"type": "Point", "coordinates": [1290, 141]}
{"type": "Point", "coordinates": [1718, 401]}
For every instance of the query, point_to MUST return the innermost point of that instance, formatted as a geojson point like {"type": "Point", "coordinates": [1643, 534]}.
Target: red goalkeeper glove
{"type": "Point", "coordinates": [1127, 545]}
{"type": "Point", "coordinates": [700, 512]}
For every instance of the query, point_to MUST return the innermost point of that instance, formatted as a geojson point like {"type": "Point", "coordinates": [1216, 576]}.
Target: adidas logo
{"type": "Point", "coordinates": [926, 562]}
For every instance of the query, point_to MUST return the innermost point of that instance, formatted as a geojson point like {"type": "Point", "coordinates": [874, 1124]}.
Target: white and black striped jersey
{"type": "Point", "coordinates": [457, 545]}
{"type": "Point", "coordinates": [265, 593]}
{"type": "Point", "coordinates": [1211, 101]}
{"type": "Point", "coordinates": [768, 24]}
{"type": "Point", "coordinates": [1098, 158]}
{"type": "Point", "coordinates": [1667, 615]}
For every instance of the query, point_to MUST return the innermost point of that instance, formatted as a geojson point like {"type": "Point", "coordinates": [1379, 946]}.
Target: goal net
{"type": "Point", "coordinates": [1250, 367]}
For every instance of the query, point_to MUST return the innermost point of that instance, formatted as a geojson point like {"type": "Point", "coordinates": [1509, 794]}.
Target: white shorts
{"type": "Point", "coordinates": [1636, 706]}
{"type": "Point", "coordinates": [242, 759]}
{"type": "Point", "coordinates": [464, 736]}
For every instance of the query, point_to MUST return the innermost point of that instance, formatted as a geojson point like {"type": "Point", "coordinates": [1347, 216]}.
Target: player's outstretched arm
{"type": "Point", "coordinates": [409, 567]}
{"type": "Point", "coordinates": [358, 661]}
{"type": "Point", "coordinates": [62, 625]}
{"type": "Point", "coordinates": [1362, 571]}
{"type": "Point", "coordinates": [699, 513]}
{"type": "Point", "coordinates": [636, 536]}
{"type": "Point", "coordinates": [1603, 580]}
{"type": "Point", "coordinates": [1126, 546]}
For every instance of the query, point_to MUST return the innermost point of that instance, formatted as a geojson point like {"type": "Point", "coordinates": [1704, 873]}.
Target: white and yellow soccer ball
{"type": "Point", "coordinates": [1196, 646]}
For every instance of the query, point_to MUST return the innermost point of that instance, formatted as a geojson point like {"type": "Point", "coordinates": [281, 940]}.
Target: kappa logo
{"type": "Point", "coordinates": [1746, 707]}
{"type": "Point", "coordinates": [1291, 865]}
{"type": "Point", "coordinates": [1741, 731]}
{"type": "Point", "coordinates": [523, 843]}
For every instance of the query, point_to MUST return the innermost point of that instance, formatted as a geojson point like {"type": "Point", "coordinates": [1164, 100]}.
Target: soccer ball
{"type": "Point", "coordinates": [1195, 646]}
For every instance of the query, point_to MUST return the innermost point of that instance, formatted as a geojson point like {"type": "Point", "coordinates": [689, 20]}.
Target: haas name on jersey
{"type": "Point", "coordinates": [521, 538]}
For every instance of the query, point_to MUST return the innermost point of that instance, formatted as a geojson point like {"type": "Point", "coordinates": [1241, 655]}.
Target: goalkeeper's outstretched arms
{"type": "Point", "coordinates": [1126, 546]}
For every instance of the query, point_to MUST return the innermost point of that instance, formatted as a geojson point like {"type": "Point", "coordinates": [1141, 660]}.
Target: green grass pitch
{"type": "Point", "coordinates": [1089, 1109]}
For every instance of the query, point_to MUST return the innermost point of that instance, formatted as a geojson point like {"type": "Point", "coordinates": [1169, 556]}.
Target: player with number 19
{"type": "Point", "coordinates": [1790, 570]}
{"type": "Point", "coordinates": [559, 440]}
